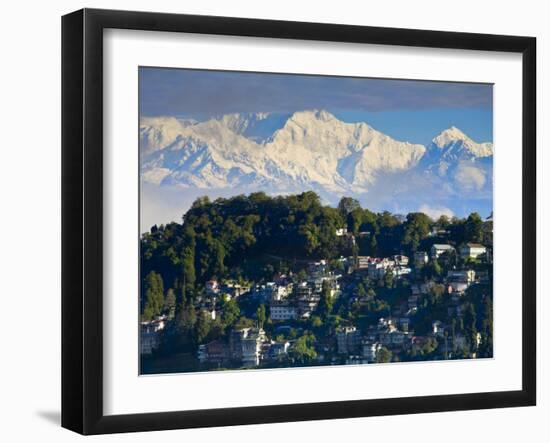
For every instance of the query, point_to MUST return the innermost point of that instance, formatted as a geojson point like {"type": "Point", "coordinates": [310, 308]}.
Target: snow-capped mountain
{"type": "Point", "coordinates": [456, 157]}
{"type": "Point", "coordinates": [309, 148]}
{"type": "Point", "coordinates": [282, 153]}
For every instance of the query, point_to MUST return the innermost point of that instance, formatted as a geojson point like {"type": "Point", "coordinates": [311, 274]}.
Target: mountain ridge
{"type": "Point", "coordinates": [312, 149]}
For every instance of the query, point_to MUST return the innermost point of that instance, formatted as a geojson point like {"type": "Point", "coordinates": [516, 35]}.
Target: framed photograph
{"type": "Point", "coordinates": [270, 221]}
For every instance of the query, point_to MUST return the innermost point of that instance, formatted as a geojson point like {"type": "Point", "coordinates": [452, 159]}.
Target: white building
{"type": "Point", "coordinates": [280, 310]}
{"type": "Point", "coordinates": [251, 345]}
{"type": "Point", "coordinates": [439, 249]}
{"type": "Point", "coordinates": [401, 260]}
{"type": "Point", "coordinates": [363, 262]}
{"type": "Point", "coordinates": [399, 271]}
{"type": "Point", "coordinates": [378, 268]}
{"type": "Point", "coordinates": [472, 250]}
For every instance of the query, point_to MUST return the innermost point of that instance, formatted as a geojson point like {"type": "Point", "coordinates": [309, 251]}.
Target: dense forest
{"type": "Point", "coordinates": [252, 237]}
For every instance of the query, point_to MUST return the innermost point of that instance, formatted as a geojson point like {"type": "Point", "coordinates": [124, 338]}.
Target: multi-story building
{"type": "Point", "coordinates": [150, 335]}
{"type": "Point", "coordinates": [348, 339]}
{"type": "Point", "coordinates": [378, 267]}
{"type": "Point", "coordinates": [282, 310]}
{"type": "Point", "coordinates": [251, 345]}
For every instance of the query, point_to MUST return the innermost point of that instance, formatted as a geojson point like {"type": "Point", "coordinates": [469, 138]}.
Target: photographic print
{"type": "Point", "coordinates": [291, 220]}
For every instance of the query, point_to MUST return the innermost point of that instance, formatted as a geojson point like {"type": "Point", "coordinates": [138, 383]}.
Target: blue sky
{"type": "Point", "coordinates": [407, 110]}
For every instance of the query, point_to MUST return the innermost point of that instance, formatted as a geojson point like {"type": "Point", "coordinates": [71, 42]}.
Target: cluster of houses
{"type": "Point", "coordinates": [290, 299]}
{"type": "Point", "coordinates": [466, 251]}
{"type": "Point", "coordinates": [376, 268]}
{"type": "Point", "coordinates": [247, 347]}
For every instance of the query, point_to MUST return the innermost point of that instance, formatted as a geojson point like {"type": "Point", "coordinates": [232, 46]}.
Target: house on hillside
{"type": "Point", "coordinates": [438, 249]}
{"type": "Point", "coordinates": [348, 339]}
{"type": "Point", "coordinates": [420, 258]}
{"type": "Point", "coordinates": [472, 250]}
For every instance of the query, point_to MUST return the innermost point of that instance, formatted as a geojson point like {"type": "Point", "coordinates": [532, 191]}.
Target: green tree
{"type": "Point", "coordinates": [389, 279]}
{"type": "Point", "coordinates": [326, 303]}
{"type": "Point", "coordinates": [473, 228]}
{"type": "Point", "coordinates": [261, 315]}
{"type": "Point", "coordinates": [470, 326]}
{"type": "Point", "coordinates": [202, 327]}
{"type": "Point", "coordinates": [170, 303]}
{"type": "Point", "coordinates": [417, 227]}
{"type": "Point", "coordinates": [186, 320]}
{"type": "Point", "coordinates": [383, 355]}
{"type": "Point", "coordinates": [230, 311]}
{"type": "Point", "coordinates": [303, 350]}
{"type": "Point", "coordinates": [373, 245]}
{"type": "Point", "coordinates": [347, 205]}
{"type": "Point", "coordinates": [154, 295]}
{"type": "Point", "coordinates": [361, 291]}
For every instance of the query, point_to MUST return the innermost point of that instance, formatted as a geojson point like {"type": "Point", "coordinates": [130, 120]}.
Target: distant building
{"type": "Point", "coordinates": [246, 344]}
{"type": "Point", "coordinates": [370, 349]}
{"type": "Point", "coordinates": [438, 329]}
{"type": "Point", "coordinates": [472, 250]}
{"type": "Point", "coordinates": [386, 324]}
{"type": "Point", "coordinates": [214, 352]}
{"type": "Point", "coordinates": [399, 271]}
{"type": "Point", "coordinates": [401, 260]}
{"type": "Point", "coordinates": [149, 337]}
{"type": "Point", "coordinates": [457, 287]}
{"type": "Point", "coordinates": [212, 287]}
{"type": "Point", "coordinates": [348, 339]}
{"type": "Point", "coordinates": [317, 267]}
{"type": "Point", "coordinates": [278, 350]}
{"type": "Point", "coordinates": [439, 249]}
{"type": "Point", "coordinates": [282, 310]}
{"type": "Point", "coordinates": [363, 262]}
{"type": "Point", "coordinates": [378, 268]}
{"type": "Point", "coordinates": [251, 345]}
{"type": "Point", "coordinates": [281, 292]}
{"type": "Point", "coordinates": [233, 290]}
{"type": "Point", "coordinates": [464, 276]}
{"type": "Point", "coordinates": [420, 258]}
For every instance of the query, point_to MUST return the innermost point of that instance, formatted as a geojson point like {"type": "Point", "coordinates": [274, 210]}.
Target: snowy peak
{"type": "Point", "coordinates": [450, 135]}
{"type": "Point", "coordinates": [312, 149]}
{"type": "Point", "coordinates": [453, 143]}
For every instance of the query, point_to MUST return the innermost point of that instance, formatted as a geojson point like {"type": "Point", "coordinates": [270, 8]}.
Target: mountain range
{"type": "Point", "coordinates": [313, 150]}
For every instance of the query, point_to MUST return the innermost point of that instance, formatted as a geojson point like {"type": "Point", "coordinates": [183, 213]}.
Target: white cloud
{"type": "Point", "coordinates": [469, 177]}
{"type": "Point", "coordinates": [434, 212]}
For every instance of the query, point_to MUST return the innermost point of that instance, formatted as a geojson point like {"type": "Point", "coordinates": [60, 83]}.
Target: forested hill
{"type": "Point", "coordinates": [235, 237]}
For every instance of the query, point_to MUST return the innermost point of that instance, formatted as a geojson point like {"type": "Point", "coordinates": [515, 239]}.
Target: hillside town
{"type": "Point", "coordinates": [432, 303]}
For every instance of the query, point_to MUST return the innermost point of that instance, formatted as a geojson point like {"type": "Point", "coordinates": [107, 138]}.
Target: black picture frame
{"type": "Point", "coordinates": [82, 218]}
